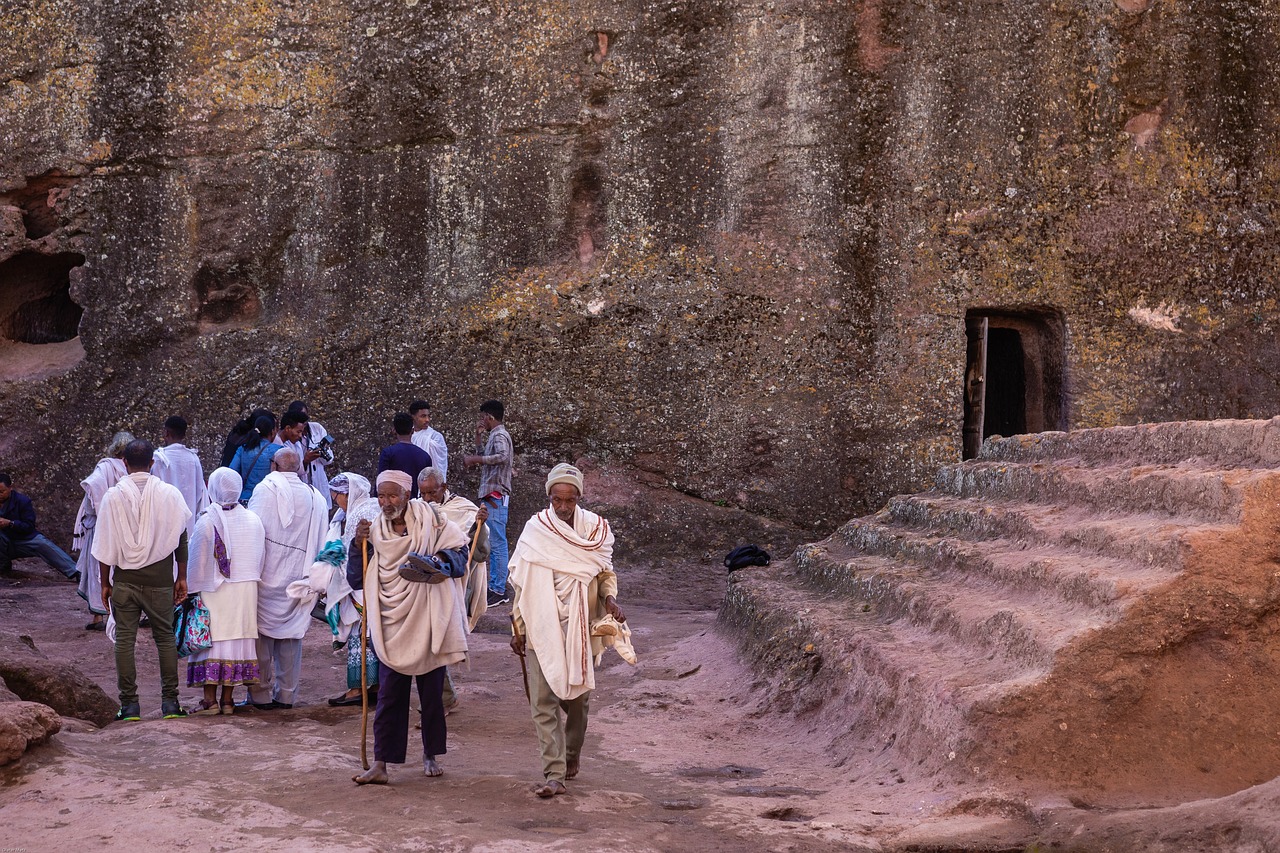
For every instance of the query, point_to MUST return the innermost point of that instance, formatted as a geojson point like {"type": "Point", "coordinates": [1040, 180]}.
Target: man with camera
{"type": "Point", "coordinates": [315, 446]}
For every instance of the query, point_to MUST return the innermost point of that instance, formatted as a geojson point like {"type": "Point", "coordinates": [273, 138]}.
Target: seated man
{"type": "Point", "coordinates": [18, 534]}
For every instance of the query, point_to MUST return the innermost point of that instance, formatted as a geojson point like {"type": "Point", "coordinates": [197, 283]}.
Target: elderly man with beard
{"type": "Point", "coordinates": [471, 518]}
{"type": "Point", "coordinates": [295, 520]}
{"type": "Point", "coordinates": [562, 573]}
{"type": "Point", "coordinates": [416, 618]}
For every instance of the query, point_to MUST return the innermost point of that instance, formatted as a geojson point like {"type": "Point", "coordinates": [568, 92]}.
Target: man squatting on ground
{"type": "Point", "coordinates": [18, 534]}
{"type": "Point", "coordinates": [416, 617]}
{"type": "Point", "coordinates": [563, 581]}
{"type": "Point", "coordinates": [141, 533]}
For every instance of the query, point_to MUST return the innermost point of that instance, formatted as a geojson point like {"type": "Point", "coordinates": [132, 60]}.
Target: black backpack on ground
{"type": "Point", "coordinates": [746, 555]}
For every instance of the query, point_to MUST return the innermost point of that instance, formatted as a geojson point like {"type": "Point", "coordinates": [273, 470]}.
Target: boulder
{"type": "Point", "coordinates": [64, 688]}
{"type": "Point", "coordinates": [23, 725]}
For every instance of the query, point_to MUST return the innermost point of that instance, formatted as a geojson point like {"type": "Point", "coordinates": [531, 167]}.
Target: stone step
{"type": "Point", "coordinates": [1021, 625]}
{"type": "Point", "coordinates": [1176, 491]}
{"type": "Point", "coordinates": [889, 680]}
{"type": "Point", "coordinates": [1086, 579]}
{"type": "Point", "coordinates": [1147, 539]}
{"type": "Point", "coordinates": [1221, 443]}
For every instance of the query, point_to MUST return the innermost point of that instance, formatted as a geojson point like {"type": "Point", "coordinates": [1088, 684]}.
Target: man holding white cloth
{"type": "Point", "coordinates": [141, 534]}
{"type": "Point", "coordinates": [563, 580]}
{"type": "Point", "coordinates": [416, 618]}
{"type": "Point", "coordinates": [295, 520]}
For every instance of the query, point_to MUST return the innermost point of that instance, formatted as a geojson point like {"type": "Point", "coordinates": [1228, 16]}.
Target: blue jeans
{"type": "Point", "coordinates": [497, 524]}
{"type": "Point", "coordinates": [38, 545]}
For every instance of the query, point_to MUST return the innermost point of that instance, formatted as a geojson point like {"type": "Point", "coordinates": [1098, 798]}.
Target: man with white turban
{"type": "Point", "coordinates": [140, 535]}
{"type": "Point", "coordinates": [563, 579]}
{"type": "Point", "coordinates": [294, 517]}
{"type": "Point", "coordinates": [226, 553]}
{"type": "Point", "coordinates": [415, 615]}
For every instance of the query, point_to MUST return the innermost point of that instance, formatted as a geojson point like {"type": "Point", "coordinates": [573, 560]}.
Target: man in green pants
{"type": "Point", "coordinates": [562, 574]}
{"type": "Point", "coordinates": [140, 537]}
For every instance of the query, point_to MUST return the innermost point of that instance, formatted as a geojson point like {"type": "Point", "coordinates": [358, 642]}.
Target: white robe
{"type": "Point", "coordinates": [432, 441]}
{"type": "Point", "coordinates": [294, 519]}
{"type": "Point", "coordinates": [416, 627]}
{"type": "Point", "coordinates": [104, 475]}
{"type": "Point", "coordinates": [552, 568]}
{"type": "Point", "coordinates": [338, 593]}
{"type": "Point", "coordinates": [138, 526]}
{"type": "Point", "coordinates": [179, 466]}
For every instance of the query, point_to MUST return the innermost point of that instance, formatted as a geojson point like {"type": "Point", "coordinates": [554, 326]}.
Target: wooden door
{"type": "Point", "coordinates": [975, 381]}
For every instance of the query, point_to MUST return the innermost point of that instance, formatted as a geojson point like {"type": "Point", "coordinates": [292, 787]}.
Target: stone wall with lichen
{"type": "Point", "coordinates": [727, 246]}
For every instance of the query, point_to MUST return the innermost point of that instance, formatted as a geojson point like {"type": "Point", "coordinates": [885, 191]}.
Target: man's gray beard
{"type": "Point", "coordinates": [394, 514]}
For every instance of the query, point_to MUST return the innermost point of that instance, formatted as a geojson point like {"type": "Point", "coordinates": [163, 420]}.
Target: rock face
{"type": "Point", "coordinates": [24, 725]}
{"type": "Point", "coordinates": [36, 679]}
{"type": "Point", "coordinates": [728, 245]}
{"type": "Point", "coordinates": [1094, 612]}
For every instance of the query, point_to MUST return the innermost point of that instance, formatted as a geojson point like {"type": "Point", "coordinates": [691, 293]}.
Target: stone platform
{"type": "Point", "coordinates": [1091, 612]}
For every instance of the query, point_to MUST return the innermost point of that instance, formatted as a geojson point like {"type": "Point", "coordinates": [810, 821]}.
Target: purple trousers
{"type": "Point", "coordinates": [391, 719]}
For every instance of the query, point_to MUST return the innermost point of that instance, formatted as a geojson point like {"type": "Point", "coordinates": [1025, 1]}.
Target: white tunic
{"type": "Point", "coordinates": [294, 518]}
{"type": "Point", "coordinates": [179, 466]}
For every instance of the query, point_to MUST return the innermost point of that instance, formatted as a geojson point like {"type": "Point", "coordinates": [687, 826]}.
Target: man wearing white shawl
{"type": "Point", "coordinates": [474, 586]}
{"type": "Point", "coordinates": [227, 549]}
{"type": "Point", "coordinates": [415, 615]}
{"type": "Point", "coordinates": [105, 474]}
{"type": "Point", "coordinates": [563, 579]}
{"type": "Point", "coordinates": [141, 533]}
{"type": "Point", "coordinates": [179, 466]}
{"type": "Point", "coordinates": [295, 520]}
{"type": "Point", "coordinates": [350, 494]}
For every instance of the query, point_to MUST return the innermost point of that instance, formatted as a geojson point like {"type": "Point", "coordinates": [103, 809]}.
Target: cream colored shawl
{"type": "Point", "coordinates": [416, 627]}
{"type": "Point", "coordinates": [139, 526]}
{"type": "Point", "coordinates": [474, 586]}
{"type": "Point", "coordinates": [552, 567]}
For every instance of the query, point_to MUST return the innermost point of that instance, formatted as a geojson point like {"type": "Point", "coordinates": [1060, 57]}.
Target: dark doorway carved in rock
{"type": "Point", "coordinates": [1015, 373]}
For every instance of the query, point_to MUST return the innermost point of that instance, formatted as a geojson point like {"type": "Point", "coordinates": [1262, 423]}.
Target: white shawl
{"type": "Point", "coordinates": [104, 475]}
{"type": "Point", "coordinates": [241, 531]}
{"type": "Point", "coordinates": [293, 518]}
{"type": "Point", "coordinates": [474, 586]}
{"type": "Point", "coordinates": [552, 567]}
{"type": "Point", "coordinates": [337, 592]}
{"type": "Point", "coordinates": [416, 627]}
{"type": "Point", "coordinates": [139, 526]}
{"type": "Point", "coordinates": [179, 466]}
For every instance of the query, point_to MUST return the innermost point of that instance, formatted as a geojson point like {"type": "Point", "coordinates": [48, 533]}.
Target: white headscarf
{"type": "Point", "coordinates": [241, 533]}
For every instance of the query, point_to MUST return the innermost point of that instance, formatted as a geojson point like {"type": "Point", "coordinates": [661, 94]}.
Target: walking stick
{"type": "Point", "coordinates": [364, 660]}
{"type": "Point", "coordinates": [524, 667]}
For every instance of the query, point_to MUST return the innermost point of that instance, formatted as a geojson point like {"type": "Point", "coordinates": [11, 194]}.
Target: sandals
{"type": "Point", "coordinates": [419, 570]}
{"type": "Point", "coordinates": [205, 709]}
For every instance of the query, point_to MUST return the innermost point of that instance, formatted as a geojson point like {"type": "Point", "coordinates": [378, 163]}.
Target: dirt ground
{"type": "Point", "coordinates": [679, 756]}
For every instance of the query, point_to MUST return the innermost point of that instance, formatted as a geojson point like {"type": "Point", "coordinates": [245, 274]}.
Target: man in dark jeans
{"type": "Point", "coordinates": [18, 534]}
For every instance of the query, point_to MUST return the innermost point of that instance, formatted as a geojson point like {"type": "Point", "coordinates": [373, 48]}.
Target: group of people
{"type": "Point", "coordinates": [401, 571]}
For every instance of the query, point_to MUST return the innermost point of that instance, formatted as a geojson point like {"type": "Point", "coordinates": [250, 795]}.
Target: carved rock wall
{"type": "Point", "coordinates": [727, 244]}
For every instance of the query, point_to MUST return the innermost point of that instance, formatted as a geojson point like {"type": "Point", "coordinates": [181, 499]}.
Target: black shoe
{"type": "Point", "coordinates": [129, 713]}
{"type": "Point", "coordinates": [494, 599]}
{"type": "Point", "coordinates": [144, 621]}
{"type": "Point", "coordinates": [171, 710]}
{"type": "Point", "coordinates": [74, 577]}
{"type": "Point", "coordinates": [345, 701]}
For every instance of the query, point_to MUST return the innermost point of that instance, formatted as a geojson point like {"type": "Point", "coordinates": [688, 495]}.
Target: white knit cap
{"type": "Point", "coordinates": [564, 473]}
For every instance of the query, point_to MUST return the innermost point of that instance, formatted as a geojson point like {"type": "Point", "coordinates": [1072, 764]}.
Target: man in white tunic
{"type": "Point", "coordinates": [295, 520]}
{"type": "Point", "coordinates": [428, 437]}
{"type": "Point", "coordinates": [563, 579]}
{"type": "Point", "coordinates": [179, 466]}
{"type": "Point", "coordinates": [416, 618]}
{"type": "Point", "coordinates": [140, 535]}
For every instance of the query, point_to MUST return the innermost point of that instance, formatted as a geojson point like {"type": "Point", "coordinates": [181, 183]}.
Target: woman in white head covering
{"type": "Point", "coordinates": [224, 566]}
{"type": "Point", "coordinates": [105, 474]}
{"type": "Point", "coordinates": [351, 495]}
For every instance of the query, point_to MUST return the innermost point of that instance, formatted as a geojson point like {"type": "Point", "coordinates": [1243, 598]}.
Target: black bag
{"type": "Point", "coordinates": [746, 555]}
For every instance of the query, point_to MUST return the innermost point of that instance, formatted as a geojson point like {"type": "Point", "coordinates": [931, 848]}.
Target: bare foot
{"type": "Point", "coordinates": [375, 775]}
{"type": "Point", "coordinates": [431, 767]}
{"type": "Point", "coordinates": [550, 788]}
{"type": "Point", "coordinates": [570, 768]}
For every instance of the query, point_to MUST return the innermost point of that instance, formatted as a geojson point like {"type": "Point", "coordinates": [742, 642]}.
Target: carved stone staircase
{"type": "Point", "coordinates": [1096, 611]}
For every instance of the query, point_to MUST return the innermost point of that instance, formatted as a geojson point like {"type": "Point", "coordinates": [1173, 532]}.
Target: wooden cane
{"type": "Point", "coordinates": [524, 667]}
{"type": "Point", "coordinates": [364, 662]}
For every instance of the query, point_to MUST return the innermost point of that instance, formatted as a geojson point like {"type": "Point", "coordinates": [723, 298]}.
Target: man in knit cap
{"type": "Point", "coordinates": [563, 580]}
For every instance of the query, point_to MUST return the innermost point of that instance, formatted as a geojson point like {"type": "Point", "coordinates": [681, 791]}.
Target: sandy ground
{"type": "Point", "coordinates": [679, 756]}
